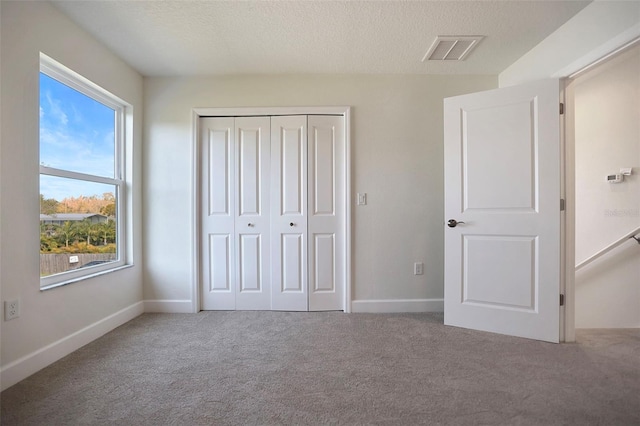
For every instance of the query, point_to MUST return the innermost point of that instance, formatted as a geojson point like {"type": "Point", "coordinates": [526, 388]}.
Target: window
{"type": "Point", "coordinates": [82, 186]}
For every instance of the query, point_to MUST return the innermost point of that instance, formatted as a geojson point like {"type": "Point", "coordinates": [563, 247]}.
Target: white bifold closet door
{"type": "Point", "coordinates": [327, 212]}
{"type": "Point", "coordinates": [217, 213]}
{"type": "Point", "coordinates": [235, 213]}
{"type": "Point", "coordinates": [273, 213]}
{"type": "Point", "coordinates": [289, 273]}
{"type": "Point", "coordinates": [252, 213]}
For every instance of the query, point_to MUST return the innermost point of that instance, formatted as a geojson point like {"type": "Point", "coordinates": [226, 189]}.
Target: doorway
{"type": "Point", "coordinates": [603, 106]}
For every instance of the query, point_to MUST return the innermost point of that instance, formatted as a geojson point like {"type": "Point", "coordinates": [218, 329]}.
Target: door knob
{"type": "Point", "coordinates": [452, 223]}
{"type": "Point", "coordinates": [292, 224]}
{"type": "Point", "coordinates": [250, 224]}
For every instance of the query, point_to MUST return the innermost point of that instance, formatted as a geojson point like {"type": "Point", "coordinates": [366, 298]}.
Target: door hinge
{"type": "Point", "coordinates": [561, 204]}
{"type": "Point", "coordinates": [561, 108]}
{"type": "Point", "coordinates": [562, 300]}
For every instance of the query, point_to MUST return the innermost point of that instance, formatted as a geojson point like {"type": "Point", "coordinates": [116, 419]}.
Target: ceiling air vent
{"type": "Point", "coordinates": [451, 48]}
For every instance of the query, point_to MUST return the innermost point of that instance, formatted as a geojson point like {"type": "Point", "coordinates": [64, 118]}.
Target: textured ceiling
{"type": "Point", "coordinates": [171, 38]}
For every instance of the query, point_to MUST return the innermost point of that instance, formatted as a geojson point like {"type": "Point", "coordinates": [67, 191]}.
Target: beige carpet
{"type": "Point", "coordinates": [264, 368]}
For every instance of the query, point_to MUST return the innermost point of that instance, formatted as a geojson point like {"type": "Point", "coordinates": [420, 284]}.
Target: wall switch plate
{"type": "Point", "coordinates": [11, 309]}
{"type": "Point", "coordinates": [362, 198]}
{"type": "Point", "coordinates": [418, 268]}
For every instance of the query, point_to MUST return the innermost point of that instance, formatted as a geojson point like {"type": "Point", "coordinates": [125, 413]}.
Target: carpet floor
{"type": "Point", "coordinates": [269, 368]}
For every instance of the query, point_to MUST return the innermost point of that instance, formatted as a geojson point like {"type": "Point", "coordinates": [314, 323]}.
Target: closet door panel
{"type": "Point", "coordinates": [289, 274]}
{"type": "Point", "coordinates": [250, 272]}
{"type": "Point", "coordinates": [324, 257]}
{"type": "Point", "coordinates": [326, 220]}
{"type": "Point", "coordinates": [293, 264]}
{"type": "Point", "coordinates": [323, 143]}
{"type": "Point", "coordinates": [217, 215]}
{"type": "Point", "coordinates": [253, 212]}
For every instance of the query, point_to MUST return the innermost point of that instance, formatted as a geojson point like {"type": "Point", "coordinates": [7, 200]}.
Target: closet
{"type": "Point", "coordinates": [273, 214]}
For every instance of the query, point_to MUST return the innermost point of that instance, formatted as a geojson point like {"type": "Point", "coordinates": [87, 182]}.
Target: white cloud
{"type": "Point", "coordinates": [56, 110]}
{"type": "Point", "coordinates": [64, 150]}
{"type": "Point", "coordinates": [77, 115]}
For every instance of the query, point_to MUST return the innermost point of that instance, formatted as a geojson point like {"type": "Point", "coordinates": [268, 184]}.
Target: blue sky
{"type": "Point", "coordinates": [76, 134]}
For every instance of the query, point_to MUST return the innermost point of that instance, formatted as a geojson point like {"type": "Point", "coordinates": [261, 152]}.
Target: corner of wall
{"type": "Point", "coordinates": [168, 306]}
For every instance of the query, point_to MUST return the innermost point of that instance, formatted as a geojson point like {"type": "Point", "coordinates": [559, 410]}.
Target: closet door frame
{"type": "Point", "coordinates": [196, 168]}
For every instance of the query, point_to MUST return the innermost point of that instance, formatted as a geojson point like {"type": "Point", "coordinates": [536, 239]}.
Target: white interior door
{"type": "Point", "coordinates": [327, 212]}
{"type": "Point", "coordinates": [502, 184]}
{"type": "Point", "coordinates": [217, 213]}
{"type": "Point", "coordinates": [289, 275]}
{"type": "Point", "coordinates": [252, 219]}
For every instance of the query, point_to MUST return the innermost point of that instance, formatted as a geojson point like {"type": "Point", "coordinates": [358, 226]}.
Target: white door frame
{"type": "Point", "coordinates": [567, 128]}
{"type": "Point", "coordinates": [196, 113]}
{"type": "Point", "coordinates": [568, 327]}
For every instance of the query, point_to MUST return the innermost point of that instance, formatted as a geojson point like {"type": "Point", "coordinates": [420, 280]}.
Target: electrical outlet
{"type": "Point", "coordinates": [11, 309]}
{"type": "Point", "coordinates": [418, 268]}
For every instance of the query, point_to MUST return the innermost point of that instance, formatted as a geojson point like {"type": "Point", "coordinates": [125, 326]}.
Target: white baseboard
{"type": "Point", "coordinates": [169, 306]}
{"type": "Point", "coordinates": [397, 305]}
{"type": "Point", "coordinates": [29, 364]}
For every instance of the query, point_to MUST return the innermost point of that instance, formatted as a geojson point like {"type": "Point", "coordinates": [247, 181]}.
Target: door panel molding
{"type": "Point", "coordinates": [482, 250]}
{"type": "Point", "coordinates": [220, 248]}
{"type": "Point", "coordinates": [323, 148]}
{"type": "Point", "coordinates": [324, 251]}
{"type": "Point", "coordinates": [520, 147]}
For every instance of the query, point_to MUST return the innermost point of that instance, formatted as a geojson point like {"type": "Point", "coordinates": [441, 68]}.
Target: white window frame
{"type": "Point", "coordinates": [64, 75]}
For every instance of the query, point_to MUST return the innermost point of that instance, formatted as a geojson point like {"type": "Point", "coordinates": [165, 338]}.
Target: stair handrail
{"type": "Point", "coordinates": [607, 249]}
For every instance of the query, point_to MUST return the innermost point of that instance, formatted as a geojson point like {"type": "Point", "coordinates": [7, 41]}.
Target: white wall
{"type": "Point", "coordinates": [55, 321]}
{"type": "Point", "coordinates": [592, 33]}
{"type": "Point", "coordinates": [397, 159]}
{"type": "Point", "coordinates": [607, 137]}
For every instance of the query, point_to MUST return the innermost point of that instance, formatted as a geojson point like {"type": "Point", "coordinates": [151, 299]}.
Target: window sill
{"type": "Point", "coordinates": [86, 277]}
